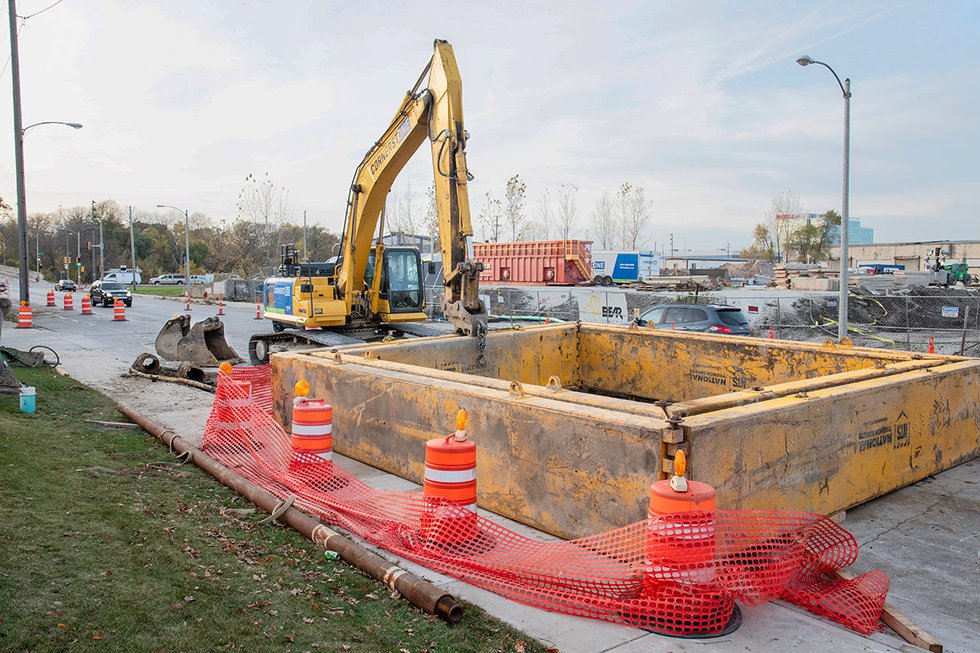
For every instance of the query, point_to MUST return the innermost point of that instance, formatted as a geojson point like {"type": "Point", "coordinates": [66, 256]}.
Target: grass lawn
{"type": "Point", "coordinates": [162, 291]}
{"type": "Point", "coordinates": [103, 549]}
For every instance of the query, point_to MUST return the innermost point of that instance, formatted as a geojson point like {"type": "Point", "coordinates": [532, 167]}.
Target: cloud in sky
{"type": "Point", "coordinates": [702, 104]}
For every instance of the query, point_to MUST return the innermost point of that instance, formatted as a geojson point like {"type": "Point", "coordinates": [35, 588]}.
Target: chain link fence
{"type": "Point", "coordinates": [948, 319]}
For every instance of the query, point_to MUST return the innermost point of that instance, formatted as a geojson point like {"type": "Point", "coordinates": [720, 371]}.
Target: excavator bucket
{"type": "Point", "coordinates": [202, 344]}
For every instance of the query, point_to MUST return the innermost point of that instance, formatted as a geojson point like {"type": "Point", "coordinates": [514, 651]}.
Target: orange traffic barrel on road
{"type": "Point", "coordinates": [118, 311]}
{"type": "Point", "coordinates": [221, 305]}
{"type": "Point", "coordinates": [258, 308]}
{"type": "Point", "coordinates": [86, 305]}
{"type": "Point", "coordinates": [69, 303]}
{"type": "Point", "coordinates": [25, 316]}
{"type": "Point", "coordinates": [51, 301]}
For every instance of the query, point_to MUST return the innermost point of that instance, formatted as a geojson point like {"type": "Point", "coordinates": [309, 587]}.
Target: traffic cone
{"type": "Point", "coordinates": [187, 300]}
{"type": "Point", "coordinates": [932, 345]}
{"type": "Point", "coordinates": [221, 305]}
{"type": "Point", "coordinates": [86, 305]}
{"type": "Point", "coordinates": [24, 316]}
{"type": "Point", "coordinates": [118, 311]}
{"type": "Point", "coordinates": [258, 308]}
{"type": "Point", "coordinates": [772, 333]}
{"type": "Point", "coordinates": [69, 304]}
{"type": "Point", "coordinates": [51, 301]}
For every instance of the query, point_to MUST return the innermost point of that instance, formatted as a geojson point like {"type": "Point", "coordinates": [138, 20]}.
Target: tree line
{"type": "Point", "coordinates": [246, 245]}
{"type": "Point", "coordinates": [615, 220]}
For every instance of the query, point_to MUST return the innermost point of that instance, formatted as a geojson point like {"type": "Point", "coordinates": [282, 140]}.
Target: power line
{"type": "Point", "coordinates": [37, 13]}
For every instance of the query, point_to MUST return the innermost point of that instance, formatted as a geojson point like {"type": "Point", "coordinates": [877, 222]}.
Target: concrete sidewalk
{"type": "Point", "coordinates": [901, 533]}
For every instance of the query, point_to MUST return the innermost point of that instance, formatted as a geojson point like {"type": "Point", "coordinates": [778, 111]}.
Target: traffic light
{"type": "Point", "coordinates": [82, 268]}
{"type": "Point", "coordinates": [78, 261]}
{"type": "Point", "coordinates": [40, 265]}
{"type": "Point", "coordinates": [64, 260]}
{"type": "Point", "coordinates": [88, 246]}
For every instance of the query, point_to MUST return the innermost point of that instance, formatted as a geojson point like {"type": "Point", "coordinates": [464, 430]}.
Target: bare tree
{"type": "Point", "coordinates": [261, 201]}
{"type": "Point", "coordinates": [783, 207]}
{"type": "Point", "coordinates": [603, 223]}
{"type": "Point", "coordinates": [622, 217]}
{"type": "Point", "coordinates": [430, 216]}
{"type": "Point", "coordinates": [400, 211]}
{"type": "Point", "coordinates": [543, 218]}
{"type": "Point", "coordinates": [514, 196]}
{"type": "Point", "coordinates": [490, 217]}
{"type": "Point", "coordinates": [566, 210]}
{"type": "Point", "coordinates": [638, 215]}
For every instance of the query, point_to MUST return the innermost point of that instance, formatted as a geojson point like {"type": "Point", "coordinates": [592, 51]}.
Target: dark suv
{"type": "Point", "coordinates": [107, 292]}
{"type": "Point", "coordinates": [709, 318]}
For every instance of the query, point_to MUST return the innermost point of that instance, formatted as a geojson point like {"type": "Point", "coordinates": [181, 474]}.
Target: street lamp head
{"type": "Point", "coordinates": [804, 60]}
{"type": "Point", "coordinates": [74, 125]}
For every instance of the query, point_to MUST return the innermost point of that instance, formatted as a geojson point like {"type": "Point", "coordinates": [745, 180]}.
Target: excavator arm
{"type": "Point", "coordinates": [433, 112]}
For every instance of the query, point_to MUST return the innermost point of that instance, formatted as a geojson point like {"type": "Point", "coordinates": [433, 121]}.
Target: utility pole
{"type": "Point", "coordinates": [78, 257]}
{"type": "Point", "coordinates": [671, 245]}
{"type": "Point", "coordinates": [25, 282]}
{"type": "Point", "coordinates": [101, 251]}
{"type": "Point", "coordinates": [132, 246]}
{"type": "Point", "coordinates": [37, 253]}
{"type": "Point", "coordinates": [305, 256]}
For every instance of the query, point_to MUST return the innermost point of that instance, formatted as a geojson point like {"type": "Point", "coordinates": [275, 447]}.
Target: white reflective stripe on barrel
{"type": "Point", "coordinates": [316, 429]}
{"type": "Point", "coordinates": [471, 507]}
{"type": "Point", "coordinates": [326, 455]}
{"type": "Point", "coordinates": [443, 476]}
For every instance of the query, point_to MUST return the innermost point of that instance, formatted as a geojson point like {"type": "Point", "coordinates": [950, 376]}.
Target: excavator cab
{"type": "Point", "coordinates": [401, 280]}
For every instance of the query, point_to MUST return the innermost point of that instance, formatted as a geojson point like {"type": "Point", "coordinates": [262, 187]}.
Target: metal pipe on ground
{"type": "Point", "coordinates": [420, 593]}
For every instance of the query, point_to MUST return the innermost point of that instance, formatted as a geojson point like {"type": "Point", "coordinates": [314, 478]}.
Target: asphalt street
{"type": "Point", "coordinates": [85, 343]}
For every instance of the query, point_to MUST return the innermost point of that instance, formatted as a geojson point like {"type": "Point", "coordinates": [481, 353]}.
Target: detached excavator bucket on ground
{"type": "Point", "coordinates": [202, 344]}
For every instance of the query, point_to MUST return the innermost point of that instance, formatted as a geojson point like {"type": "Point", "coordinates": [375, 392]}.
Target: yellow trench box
{"type": "Point", "coordinates": [574, 421]}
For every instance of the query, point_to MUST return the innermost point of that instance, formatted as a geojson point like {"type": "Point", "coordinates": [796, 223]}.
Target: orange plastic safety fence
{"type": "Point", "coordinates": [676, 574]}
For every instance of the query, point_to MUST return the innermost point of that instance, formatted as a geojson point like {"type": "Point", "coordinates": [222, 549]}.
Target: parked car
{"type": "Point", "coordinates": [65, 285]}
{"type": "Point", "coordinates": [107, 292]}
{"type": "Point", "coordinates": [168, 280]}
{"type": "Point", "coordinates": [123, 276]}
{"type": "Point", "coordinates": [708, 318]}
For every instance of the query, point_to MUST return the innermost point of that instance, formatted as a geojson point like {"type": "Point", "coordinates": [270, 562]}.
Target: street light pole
{"type": "Point", "coordinates": [845, 88]}
{"type": "Point", "coordinates": [25, 286]}
{"type": "Point", "coordinates": [187, 243]}
{"type": "Point", "coordinates": [132, 246]}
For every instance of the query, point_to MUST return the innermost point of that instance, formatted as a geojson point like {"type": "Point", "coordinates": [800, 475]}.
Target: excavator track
{"type": "Point", "coordinates": [261, 345]}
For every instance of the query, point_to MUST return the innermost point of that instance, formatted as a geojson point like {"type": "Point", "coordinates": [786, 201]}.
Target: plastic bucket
{"type": "Point", "coordinates": [27, 399]}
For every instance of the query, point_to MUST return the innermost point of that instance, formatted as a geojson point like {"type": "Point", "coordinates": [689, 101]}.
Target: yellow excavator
{"type": "Point", "coordinates": [372, 291]}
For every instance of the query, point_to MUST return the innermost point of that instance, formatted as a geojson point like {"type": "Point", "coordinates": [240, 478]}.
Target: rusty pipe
{"type": "Point", "coordinates": [420, 593]}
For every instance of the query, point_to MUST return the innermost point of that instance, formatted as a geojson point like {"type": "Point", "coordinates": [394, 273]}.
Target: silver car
{"type": "Point", "coordinates": [707, 318]}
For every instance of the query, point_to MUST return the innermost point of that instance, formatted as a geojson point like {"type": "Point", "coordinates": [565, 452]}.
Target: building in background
{"type": "Point", "coordinates": [856, 234]}
{"type": "Point", "coordinates": [911, 255]}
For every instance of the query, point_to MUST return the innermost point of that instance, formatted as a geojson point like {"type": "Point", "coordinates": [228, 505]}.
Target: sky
{"type": "Point", "coordinates": [701, 104]}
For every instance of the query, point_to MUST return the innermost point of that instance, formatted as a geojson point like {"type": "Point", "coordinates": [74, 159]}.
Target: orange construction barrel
{"type": "Point", "coordinates": [681, 549]}
{"type": "Point", "coordinates": [312, 432]}
{"type": "Point", "coordinates": [449, 489]}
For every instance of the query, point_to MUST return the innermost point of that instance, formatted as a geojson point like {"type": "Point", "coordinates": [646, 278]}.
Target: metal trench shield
{"type": "Point", "coordinates": [574, 421]}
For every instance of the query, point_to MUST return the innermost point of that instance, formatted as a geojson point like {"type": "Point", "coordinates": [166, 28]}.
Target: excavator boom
{"type": "Point", "coordinates": [432, 112]}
